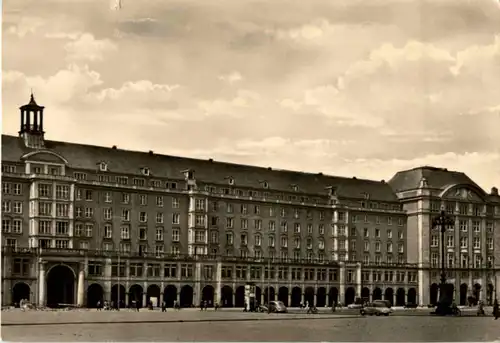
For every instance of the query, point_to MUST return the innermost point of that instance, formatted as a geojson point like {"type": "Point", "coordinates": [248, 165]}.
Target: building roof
{"type": "Point", "coordinates": [88, 157]}
{"type": "Point", "coordinates": [437, 178]}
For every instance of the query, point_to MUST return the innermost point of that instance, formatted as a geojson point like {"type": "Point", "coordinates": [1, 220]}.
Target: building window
{"type": "Point", "coordinates": [476, 226]}
{"type": "Point", "coordinates": [62, 228]}
{"type": "Point", "coordinates": [159, 217]}
{"type": "Point", "coordinates": [477, 243]}
{"type": "Point", "coordinates": [44, 191]}
{"type": "Point", "coordinates": [62, 244]}
{"type": "Point", "coordinates": [126, 215]}
{"type": "Point", "coordinates": [175, 203]}
{"type": "Point", "coordinates": [62, 192]}
{"type": "Point", "coordinates": [108, 197]}
{"type": "Point", "coordinates": [125, 198]}
{"type": "Point", "coordinates": [6, 206]}
{"type": "Point", "coordinates": [125, 232]}
{"type": "Point", "coordinates": [125, 247]}
{"type": "Point", "coordinates": [489, 243]}
{"type": "Point", "coordinates": [108, 231]}
{"type": "Point", "coordinates": [434, 259]}
{"type": "Point", "coordinates": [366, 233]}
{"type": "Point", "coordinates": [108, 213]}
{"type": "Point", "coordinates": [463, 242]}
{"type": "Point", "coordinates": [88, 230]}
{"type": "Point", "coordinates": [88, 195]}
{"type": "Point", "coordinates": [176, 218]}
{"type": "Point", "coordinates": [450, 241]}
{"type": "Point", "coordinates": [175, 235]}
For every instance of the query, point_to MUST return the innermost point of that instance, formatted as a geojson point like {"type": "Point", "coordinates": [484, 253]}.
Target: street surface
{"type": "Point", "coordinates": [234, 325]}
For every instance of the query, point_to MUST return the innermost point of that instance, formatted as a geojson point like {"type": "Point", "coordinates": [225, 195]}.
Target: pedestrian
{"type": "Point", "coordinates": [496, 309]}
{"type": "Point", "coordinates": [98, 305]}
{"type": "Point", "coordinates": [137, 305]}
{"type": "Point", "coordinates": [164, 306]}
{"type": "Point", "coordinates": [205, 304]}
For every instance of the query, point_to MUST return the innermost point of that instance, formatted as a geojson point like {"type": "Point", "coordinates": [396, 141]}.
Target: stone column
{"type": "Point", "coordinates": [81, 289]}
{"type": "Point", "coordinates": [289, 299]}
{"type": "Point", "coordinates": [315, 298]}
{"type": "Point", "coordinates": [342, 283]}
{"type": "Point", "coordinates": [358, 279]}
{"type": "Point", "coordinates": [42, 292]}
{"type": "Point", "coordinates": [144, 299]}
{"type": "Point", "coordinates": [218, 279]}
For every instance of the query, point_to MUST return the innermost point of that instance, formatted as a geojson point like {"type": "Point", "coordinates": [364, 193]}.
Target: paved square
{"type": "Point", "coordinates": [192, 325]}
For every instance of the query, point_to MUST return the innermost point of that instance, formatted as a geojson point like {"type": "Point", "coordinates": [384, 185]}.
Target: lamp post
{"type": "Point", "coordinates": [441, 222]}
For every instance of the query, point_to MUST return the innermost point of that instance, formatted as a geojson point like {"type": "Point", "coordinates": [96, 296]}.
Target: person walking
{"type": "Point", "coordinates": [164, 306]}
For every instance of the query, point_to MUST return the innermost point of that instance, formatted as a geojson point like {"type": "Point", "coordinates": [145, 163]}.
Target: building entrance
{"type": "Point", "coordinates": [60, 286]}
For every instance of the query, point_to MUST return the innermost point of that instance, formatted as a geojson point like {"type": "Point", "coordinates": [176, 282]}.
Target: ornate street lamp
{"type": "Point", "coordinates": [442, 222]}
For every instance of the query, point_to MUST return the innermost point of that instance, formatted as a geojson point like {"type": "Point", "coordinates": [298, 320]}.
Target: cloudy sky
{"type": "Point", "coordinates": [347, 87]}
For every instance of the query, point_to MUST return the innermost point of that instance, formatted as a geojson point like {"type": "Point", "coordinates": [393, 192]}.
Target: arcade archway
{"type": "Point", "coordinates": [269, 294]}
{"type": "Point", "coordinates": [208, 294]}
{"type": "Point", "coordinates": [350, 296]}
{"type": "Point", "coordinates": [95, 294]}
{"type": "Point", "coordinates": [239, 299]}
{"type": "Point", "coordinates": [258, 294]}
{"type": "Point", "coordinates": [186, 296]}
{"type": "Point", "coordinates": [283, 295]}
{"type": "Point", "coordinates": [434, 291]}
{"type": "Point", "coordinates": [377, 294]}
{"type": "Point", "coordinates": [20, 291]}
{"type": "Point", "coordinates": [463, 294]}
{"type": "Point", "coordinates": [489, 294]}
{"type": "Point", "coordinates": [226, 296]}
{"type": "Point", "coordinates": [333, 296]}
{"type": "Point", "coordinates": [309, 296]}
{"type": "Point", "coordinates": [412, 296]}
{"type": "Point", "coordinates": [135, 294]}
{"type": "Point", "coordinates": [400, 297]}
{"type": "Point", "coordinates": [296, 297]}
{"type": "Point", "coordinates": [389, 295]}
{"type": "Point", "coordinates": [321, 297]}
{"type": "Point", "coordinates": [170, 295]}
{"type": "Point", "coordinates": [60, 286]}
{"type": "Point", "coordinates": [118, 292]}
{"type": "Point", "coordinates": [365, 294]}
{"type": "Point", "coordinates": [153, 292]}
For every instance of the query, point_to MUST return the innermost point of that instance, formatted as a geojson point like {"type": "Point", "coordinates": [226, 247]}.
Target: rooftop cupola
{"type": "Point", "coordinates": [31, 129]}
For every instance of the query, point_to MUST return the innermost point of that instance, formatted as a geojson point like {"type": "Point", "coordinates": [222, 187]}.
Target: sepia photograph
{"type": "Point", "coordinates": [250, 170]}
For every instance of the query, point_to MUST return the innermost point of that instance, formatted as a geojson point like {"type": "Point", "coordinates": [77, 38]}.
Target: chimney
{"type": "Point", "coordinates": [114, 147]}
{"type": "Point", "coordinates": [494, 191]}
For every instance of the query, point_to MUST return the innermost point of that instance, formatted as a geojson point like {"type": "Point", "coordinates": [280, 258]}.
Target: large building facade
{"type": "Point", "coordinates": [85, 223]}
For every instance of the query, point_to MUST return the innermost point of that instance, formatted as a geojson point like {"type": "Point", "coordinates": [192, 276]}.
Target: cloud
{"type": "Point", "coordinates": [243, 100]}
{"type": "Point", "coordinates": [348, 87]}
{"type": "Point", "coordinates": [26, 25]}
{"type": "Point", "coordinates": [86, 47]}
{"type": "Point", "coordinates": [231, 78]}
{"type": "Point", "coordinates": [61, 88]}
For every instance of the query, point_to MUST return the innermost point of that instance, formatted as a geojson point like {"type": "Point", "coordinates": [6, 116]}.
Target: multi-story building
{"type": "Point", "coordinates": [472, 245]}
{"type": "Point", "coordinates": [85, 223]}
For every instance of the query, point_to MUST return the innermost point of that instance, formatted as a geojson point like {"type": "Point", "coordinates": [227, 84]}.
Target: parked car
{"type": "Point", "coordinates": [377, 309]}
{"type": "Point", "coordinates": [385, 303]}
{"type": "Point", "coordinates": [411, 305]}
{"type": "Point", "coordinates": [354, 306]}
{"type": "Point", "coordinates": [277, 307]}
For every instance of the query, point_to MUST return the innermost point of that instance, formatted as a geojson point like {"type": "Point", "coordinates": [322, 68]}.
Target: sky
{"type": "Point", "coordinates": [344, 87]}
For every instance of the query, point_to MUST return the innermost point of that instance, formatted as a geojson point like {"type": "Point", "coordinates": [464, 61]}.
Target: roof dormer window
{"type": "Point", "coordinates": [145, 171]}
{"type": "Point", "coordinates": [103, 166]}
{"type": "Point", "coordinates": [188, 174]}
{"type": "Point", "coordinates": [265, 185]}
{"type": "Point", "coordinates": [231, 181]}
{"type": "Point", "coordinates": [295, 188]}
